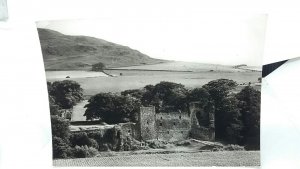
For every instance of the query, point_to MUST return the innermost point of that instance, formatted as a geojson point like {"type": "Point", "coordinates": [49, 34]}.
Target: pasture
{"type": "Point", "coordinates": [191, 75]}
{"type": "Point", "coordinates": [135, 79]}
{"type": "Point", "coordinates": [60, 75]}
{"type": "Point", "coordinates": [191, 66]}
{"type": "Point", "coordinates": [220, 158]}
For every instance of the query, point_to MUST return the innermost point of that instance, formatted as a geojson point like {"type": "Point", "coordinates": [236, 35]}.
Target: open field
{"type": "Point", "coordinates": [191, 66]}
{"type": "Point", "coordinates": [221, 158]}
{"type": "Point", "coordinates": [139, 79]}
{"type": "Point", "coordinates": [135, 79]}
{"type": "Point", "coordinates": [59, 75]}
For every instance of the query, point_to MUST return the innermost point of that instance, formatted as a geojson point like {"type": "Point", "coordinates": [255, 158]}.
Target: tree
{"type": "Point", "coordinates": [199, 94]}
{"type": "Point", "coordinates": [136, 93]}
{"type": "Point", "coordinates": [227, 116]}
{"type": "Point", "coordinates": [60, 127]}
{"type": "Point", "coordinates": [202, 96]}
{"type": "Point", "coordinates": [220, 89]}
{"type": "Point", "coordinates": [54, 108]}
{"type": "Point", "coordinates": [60, 137]}
{"type": "Point", "coordinates": [84, 151]}
{"type": "Point", "coordinates": [60, 148]}
{"type": "Point", "coordinates": [98, 67]}
{"type": "Point", "coordinates": [249, 104]}
{"type": "Point", "coordinates": [166, 94]}
{"type": "Point", "coordinates": [82, 139]}
{"type": "Point", "coordinates": [66, 93]}
{"type": "Point", "coordinates": [112, 108]}
{"type": "Point", "coordinates": [148, 97]}
{"type": "Point", "coordinates": [232, 123]}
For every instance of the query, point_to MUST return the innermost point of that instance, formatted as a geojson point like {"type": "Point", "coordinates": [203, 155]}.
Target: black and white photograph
{"type": "Point", "coordinates": [154, 91]}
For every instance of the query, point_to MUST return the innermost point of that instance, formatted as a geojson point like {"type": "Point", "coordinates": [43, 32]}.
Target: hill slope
{"type": "Point", "coordinates": [64, 52]}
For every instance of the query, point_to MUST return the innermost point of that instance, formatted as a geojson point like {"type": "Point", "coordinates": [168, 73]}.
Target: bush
{"type": "Point", "coordinates": [230, 147]}
{"type": "Point", "coordinates": [212, 148]}
{"type": "Point", "coordinates": [60, 127]}
{"type": "Point", "coordinates": [156, 144]}
{"type": "Point", "coordinates": [98, 137]}
{"type": "Point", "coordinates": [82, 139]}
{"type": "Point", "coordinates": [233, 147]}
{"type": "Point", "coordinates": [113, 138]}
{"type": "Point", "coordinates": [60, 148]}
{"type": "Point", "coordinates": [94, 143]}
{"type": "Point", "coordinates": [184, 143]}
{"type": "Point", "coordinates": [253, 143]}
{"type": "Point", "coordinates": [103, 147]}
{"type": "Point", "coordinates": [84, 151]}
{"type": "Point", "coordinates": [130, 144]}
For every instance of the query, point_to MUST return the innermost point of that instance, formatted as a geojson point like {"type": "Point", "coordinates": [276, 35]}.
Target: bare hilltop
{"type": "Point", "coordinates": [65, 52]}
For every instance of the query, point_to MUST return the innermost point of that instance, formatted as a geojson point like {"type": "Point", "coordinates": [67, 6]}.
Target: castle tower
{"type": "Point", "coordinates": [147, 123]}
{"type": "Point", "coordinates": [205, 128]}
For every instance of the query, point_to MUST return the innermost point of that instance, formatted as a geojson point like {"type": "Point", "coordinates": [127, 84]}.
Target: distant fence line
{"type": "Point", "coordinates": [123, 69]}
{"type": "Point", "coordinates": [153, 70]}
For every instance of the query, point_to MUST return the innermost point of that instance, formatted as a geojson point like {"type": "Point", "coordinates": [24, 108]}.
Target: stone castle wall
{"type": "Point", "coordinates": [147, 123]}
{"type": "Point", "coordinates": [129, 130]}
{"type": "Point", "coordinates": [176, 126]}
{"type": "Point", "coordinates": [172, 126]}
{"type": "Point", "coordinates": [204, 129]}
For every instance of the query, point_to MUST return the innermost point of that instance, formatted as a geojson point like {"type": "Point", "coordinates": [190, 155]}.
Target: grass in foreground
{"type": "Point", "coordinates": [220, 158]}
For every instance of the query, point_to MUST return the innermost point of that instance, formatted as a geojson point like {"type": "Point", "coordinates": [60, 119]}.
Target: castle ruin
{"type": "Point", "coordinates": [176, 126]}
{"type": "Point", "coordinates": [197, 123]}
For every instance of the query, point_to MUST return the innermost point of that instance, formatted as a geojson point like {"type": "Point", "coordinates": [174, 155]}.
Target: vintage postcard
{"type": "Point", "coordinates": [155, 91]}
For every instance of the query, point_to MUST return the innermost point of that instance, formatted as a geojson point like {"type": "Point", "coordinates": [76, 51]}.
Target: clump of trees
{"type": "Point", "coordinates": [60, 137]}
{"type": "Point", "coordinates": [249, 105]}
{"type": "Point", "coordinates": [112, 108]}
{"type": "Point", "coordinates": [166, 95]}
{"type": "Point", "coordinates": [64, 95]}
{"type": "Point", "coordinates": [227, 115]}
{"type": "Point", "coordinates": [98, 67]}
{"type": "Point", "coordinates": [162, 95]}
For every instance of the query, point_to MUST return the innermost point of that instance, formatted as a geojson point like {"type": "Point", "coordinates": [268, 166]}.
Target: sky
{"type": "Point", "coordinates": [218, 38]}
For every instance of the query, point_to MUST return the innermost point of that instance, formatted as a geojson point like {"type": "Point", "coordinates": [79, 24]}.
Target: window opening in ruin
{"type": "Point", "coordinates": [181, 132]}
{"type": "Point", "coordinates": [179, 117]}
{"type": "Point", "coordinates": [147, 122]}
{"type": "Point", "coordinates": [174, 123]}
{"type": "Point", "coordinates": [168, 132]}
{"type": "Point", "coordinates": [160, 124]}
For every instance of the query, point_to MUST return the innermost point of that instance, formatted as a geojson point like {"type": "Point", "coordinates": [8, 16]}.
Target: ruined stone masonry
{"type": "Point", "coordinates": [164, 126]}
{"type": "Point", "coordinates": [176, 126]}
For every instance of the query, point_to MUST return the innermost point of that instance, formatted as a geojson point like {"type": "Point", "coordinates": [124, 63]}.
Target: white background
{"type": "Point", "coordinates": [25, 140]}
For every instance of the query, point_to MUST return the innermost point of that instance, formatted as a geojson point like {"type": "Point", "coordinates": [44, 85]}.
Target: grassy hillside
{"type": "Point", "coordinates": [64, 52]}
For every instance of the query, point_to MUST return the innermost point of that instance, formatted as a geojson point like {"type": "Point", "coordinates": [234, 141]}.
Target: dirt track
{"type": "Point", "coordinates": [224, 158]}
